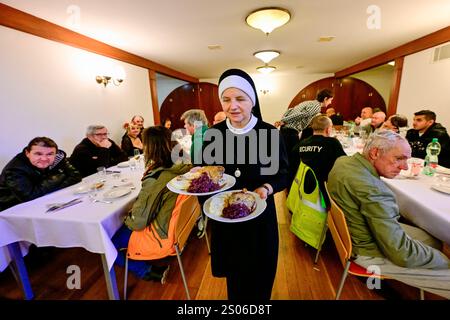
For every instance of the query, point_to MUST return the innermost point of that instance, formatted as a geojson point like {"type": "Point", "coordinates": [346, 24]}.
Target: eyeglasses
{"type": "Point", "coordinates": [101, 134]}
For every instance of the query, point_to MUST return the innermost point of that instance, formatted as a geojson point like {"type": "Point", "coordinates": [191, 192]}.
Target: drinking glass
{"type": "Point", "coordinates": [136, 153]}
{"type": "Point", "coordinates": [416, 166]}
{"type": "Point", "coordinates": [101, 173]}
{"type": "Point", "coordinates": [132, 162]}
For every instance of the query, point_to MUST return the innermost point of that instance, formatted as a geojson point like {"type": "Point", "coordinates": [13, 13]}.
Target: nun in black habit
{"type": "Point", "coordinates": [246, 253]}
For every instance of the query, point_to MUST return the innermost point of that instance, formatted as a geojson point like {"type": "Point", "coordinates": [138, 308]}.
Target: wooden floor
{"type": "Point", "coordinates": [297, 276]}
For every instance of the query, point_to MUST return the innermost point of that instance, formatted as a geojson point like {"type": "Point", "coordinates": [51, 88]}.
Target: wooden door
{"type": "Point", "coordinates": [203, 96]}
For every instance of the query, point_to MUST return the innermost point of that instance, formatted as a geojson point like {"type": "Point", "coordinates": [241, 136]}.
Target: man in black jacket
{"type": "Point", "coordinates": [39, 169]}
{"type": "Point", "coordinates": [96, 150]}
{"type": "Point", "coordinates": [425, 129]}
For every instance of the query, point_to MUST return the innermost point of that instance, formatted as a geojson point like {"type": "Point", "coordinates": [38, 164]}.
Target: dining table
{"type": "Point", "coordinates": [99, 203]}
{"type": "Point", "coordinates": [425, 201]}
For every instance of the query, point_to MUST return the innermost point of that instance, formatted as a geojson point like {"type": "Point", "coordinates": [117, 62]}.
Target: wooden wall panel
{"type": "Point", "coordinates": [350, 95]}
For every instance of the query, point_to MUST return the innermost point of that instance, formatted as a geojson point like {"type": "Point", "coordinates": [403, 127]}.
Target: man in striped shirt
{"type": "Point", "coordinates": [301, 115]}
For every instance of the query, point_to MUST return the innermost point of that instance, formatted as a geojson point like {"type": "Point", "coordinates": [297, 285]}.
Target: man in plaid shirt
{"type": "Point", "coordinates": [300, 116]}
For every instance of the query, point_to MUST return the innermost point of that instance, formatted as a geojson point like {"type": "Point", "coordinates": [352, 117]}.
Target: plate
{"type": "Point", "coordinates": [228, 182]}
{"type": "Point", "coordinates": [85, 188]}
{"type": "Point", "coordinates": [216, 213]}
{"type": "Point", "coordinates": [116, 193]}
{"type": "Point", "coordinates": [124, 164]}
{"type": "Point", "coordinates": [442, 170]}
{"type": "Point", "coordinates": [407, 175]}
{"type": "Point", "coordinates": [441, 188]}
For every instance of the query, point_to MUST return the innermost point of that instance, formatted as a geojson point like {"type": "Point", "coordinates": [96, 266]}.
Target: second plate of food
{"type": "Point", "coordinates": [234, 206]}
{"type": "Point", "coordinates": [202, 181]}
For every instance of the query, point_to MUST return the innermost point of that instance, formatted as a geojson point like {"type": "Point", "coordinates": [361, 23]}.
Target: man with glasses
{"type": "Point", "coordinates": [96, 150]}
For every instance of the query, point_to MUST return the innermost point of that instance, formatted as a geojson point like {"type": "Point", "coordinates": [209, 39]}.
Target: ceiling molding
{"type": "Point", "coordinates": [433, 39]}
{"type": "Point", "coordinates": [22, 21]}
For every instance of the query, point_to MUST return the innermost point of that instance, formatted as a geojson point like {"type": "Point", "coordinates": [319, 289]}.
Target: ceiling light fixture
{"type": "Point", "coordinates": [268, 19]}
{"type": "Point", "coordinates": [266, 55]}
{"type": "Point", "coordinates": [266, 69]}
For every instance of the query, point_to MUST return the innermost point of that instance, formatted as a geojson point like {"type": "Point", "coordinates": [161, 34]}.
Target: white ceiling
{"type": "Point", "coordinates": [176, 33]}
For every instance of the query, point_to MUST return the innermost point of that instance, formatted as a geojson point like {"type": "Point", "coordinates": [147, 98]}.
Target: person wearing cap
{"type": "Point", "coordinates": [246, 253]}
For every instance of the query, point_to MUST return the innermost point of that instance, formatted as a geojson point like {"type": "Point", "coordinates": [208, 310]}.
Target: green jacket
{"type": "Point", "coordinates": [372, 216]}
{"type": "Point", "coordinates": [197, 143]}
{"type": "Point", "coordinates": [155, 202]}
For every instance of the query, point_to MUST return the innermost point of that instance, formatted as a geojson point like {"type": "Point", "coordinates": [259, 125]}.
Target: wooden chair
{"type": "Point", "coordinates": [189, 213]}
{"type": "Point", "coordinates": [342, 240]}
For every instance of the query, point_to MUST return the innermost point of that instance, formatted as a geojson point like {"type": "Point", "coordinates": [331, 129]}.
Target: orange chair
{"type": "Point", "coordinates": [342, 240]}
{"type": "Point", "coordinates": [188, 215]}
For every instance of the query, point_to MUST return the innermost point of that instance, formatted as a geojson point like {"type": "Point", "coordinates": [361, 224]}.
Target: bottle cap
{"type": "Point", "coordinates": [435, 140]}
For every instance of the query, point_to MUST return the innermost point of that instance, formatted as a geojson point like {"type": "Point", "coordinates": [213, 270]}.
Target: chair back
{"type": "Point", "coordinates": [189, 212]}
{"type": "Point", "coordinates": [339, 230]}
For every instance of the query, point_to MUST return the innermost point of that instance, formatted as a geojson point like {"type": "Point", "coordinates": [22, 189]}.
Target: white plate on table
{"type": "Point", "coordinates": [124, 164]}
{"type": "Point", "coordinates": [85, 188]}
{"type": "Point", "coordinates": [407, 175]}
{"type": "Point", "coordinates": [442, 170]}
{"type": "Point", "coordinates": [116, 193]}
{"type": "Point", "coordinates": [226, 183]}
{"type": "Point", "coordinates": [441, 188]}
{"type": "Point", "coordinates": [216, 213]}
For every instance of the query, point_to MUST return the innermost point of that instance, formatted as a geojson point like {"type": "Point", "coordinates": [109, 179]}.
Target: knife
{"type": "Point", "coordinates": [64, 205]}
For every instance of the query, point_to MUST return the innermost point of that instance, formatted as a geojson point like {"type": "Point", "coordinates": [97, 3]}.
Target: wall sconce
{"type": "Point", "coordinates": [267, 19]}
{"type": "Point", "coordinates": [107, 79]}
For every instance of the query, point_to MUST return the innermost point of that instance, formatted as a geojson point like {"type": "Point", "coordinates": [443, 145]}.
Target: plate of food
{"type": "Point", "coordinates": [202, 181]}
{"type": "Point", "coordinates": [234, 206]}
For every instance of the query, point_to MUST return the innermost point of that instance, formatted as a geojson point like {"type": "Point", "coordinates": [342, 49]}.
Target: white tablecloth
{"type": "Point", "coordinates": [419, 203]}
{"type": "Point", "coordinates": [88, 225]}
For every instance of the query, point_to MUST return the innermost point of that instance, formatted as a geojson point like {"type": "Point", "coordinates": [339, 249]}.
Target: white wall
{"type": "Point", "coordinates": [425, 85]}
{"type": "Point", "coordinates": [49, 89]}
{"type": "Point", "coordinates": [380, 78]}
{"type": "Point", "coordinates": [282, 86]}
{"type": "Point", "coordinates": [165, 85]}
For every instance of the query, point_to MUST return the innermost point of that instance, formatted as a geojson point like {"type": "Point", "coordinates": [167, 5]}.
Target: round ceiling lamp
{"type": "Point", "coordinates": [267, 19]}
{"type": "Point", "coordinates": [266, 69]}
{"type": "Point", "coordinates": [266, 55]}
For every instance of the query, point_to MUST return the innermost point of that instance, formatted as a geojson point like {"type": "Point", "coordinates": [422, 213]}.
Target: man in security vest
{"type": "Point", "coordinates": [319, 152]}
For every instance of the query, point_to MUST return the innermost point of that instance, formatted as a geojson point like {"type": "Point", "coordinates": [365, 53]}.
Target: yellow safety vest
{"type": "Point", "coordinates": [309, 212]}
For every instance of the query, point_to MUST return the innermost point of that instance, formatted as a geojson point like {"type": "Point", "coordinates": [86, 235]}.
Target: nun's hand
{"type": "Point", "coordinates": [262, 192]}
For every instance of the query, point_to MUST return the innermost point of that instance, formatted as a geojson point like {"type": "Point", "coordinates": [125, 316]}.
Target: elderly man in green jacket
{"type": "Point", "coordinates": [402, 252]}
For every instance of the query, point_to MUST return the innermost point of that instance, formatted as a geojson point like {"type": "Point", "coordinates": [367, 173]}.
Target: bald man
{"type": "Point", "coordinates": [366, 115]}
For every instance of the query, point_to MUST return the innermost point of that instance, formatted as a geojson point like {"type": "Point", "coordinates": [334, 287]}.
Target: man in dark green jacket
{"type": "Point", "coordinates": [372, 215]}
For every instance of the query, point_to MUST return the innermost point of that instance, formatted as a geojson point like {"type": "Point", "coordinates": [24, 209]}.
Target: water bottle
{"type": "Point", "coordinates": [431, 159]}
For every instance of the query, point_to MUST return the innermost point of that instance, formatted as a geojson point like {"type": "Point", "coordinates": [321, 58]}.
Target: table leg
{"type": "Point", "coordinates": [110, 278]}
{"type": "Point", "coordinates": [18, 265]}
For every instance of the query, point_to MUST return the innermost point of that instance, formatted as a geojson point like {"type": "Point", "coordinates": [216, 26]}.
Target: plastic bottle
{"type": "Point", "coordinates": [431, 159]}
